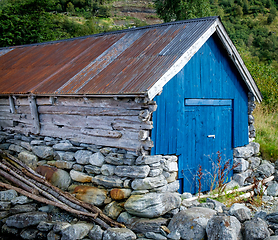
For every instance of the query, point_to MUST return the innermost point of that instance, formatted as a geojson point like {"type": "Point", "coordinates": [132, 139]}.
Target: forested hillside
{"type": "Point", "coordinates": [251, 24]}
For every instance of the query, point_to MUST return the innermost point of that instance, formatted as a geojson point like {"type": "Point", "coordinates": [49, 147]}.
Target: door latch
{"type": "Point", "coordinates": [211, 136]}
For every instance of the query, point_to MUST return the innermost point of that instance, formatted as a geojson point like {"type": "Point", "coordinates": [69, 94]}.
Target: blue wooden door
{"type": "Point", "coordinates": [204, 128]}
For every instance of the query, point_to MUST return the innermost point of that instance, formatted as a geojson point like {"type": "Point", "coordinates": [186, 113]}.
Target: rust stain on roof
{"type": "Point", "coordinates": [123, 62]}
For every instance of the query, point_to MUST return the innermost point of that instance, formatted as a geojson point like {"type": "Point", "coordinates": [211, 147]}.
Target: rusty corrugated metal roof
{"type": "Point", "coordinates": [122, 62]}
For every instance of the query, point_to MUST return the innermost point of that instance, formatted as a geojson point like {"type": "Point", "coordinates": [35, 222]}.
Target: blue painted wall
{"type": "Point", "coordinates": [209, 74]}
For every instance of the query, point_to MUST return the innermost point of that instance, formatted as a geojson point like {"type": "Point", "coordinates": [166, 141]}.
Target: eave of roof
{"type": "Point", "coordinates": [131, 62]}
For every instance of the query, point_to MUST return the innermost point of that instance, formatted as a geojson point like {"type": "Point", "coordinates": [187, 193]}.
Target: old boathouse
{"type": "Point", "coordinates": [178, 88]}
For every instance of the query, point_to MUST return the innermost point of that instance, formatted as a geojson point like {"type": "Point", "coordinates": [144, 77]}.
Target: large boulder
{"type": "Point", "coordinates": [190, 223]}
{"type": "Point", "coordinates": [256, 229]}
{"type": "Point", "coordinates": [152, 205]}
{"type": "Point", "coordinates": [223, 227]}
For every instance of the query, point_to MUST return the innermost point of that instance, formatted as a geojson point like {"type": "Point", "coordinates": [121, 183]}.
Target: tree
{"type": "Point", "coordinates": [173, 10]}
{"type": "Point", "coordinates": [24, 22]}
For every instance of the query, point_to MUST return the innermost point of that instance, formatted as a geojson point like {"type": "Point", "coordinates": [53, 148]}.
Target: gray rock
{"type": "Point", "coordinates": [60, 226]}
{"type": "Point", "coordinates": [223, 227]}
{"type": "Point", "coordinates": [240, 211]}
{"type": "Point", "coordinates": [272, 217]}
{"type": "Point", "coordinates": [260, 214]}
{"type": "Point", "coordinates": [148, 183]}
{"type": "Point", "coordinates": [68, 156]}
{"type": "Point", "coordinates": [9, 230]}
{"type": "Point", "coordinates": [218, 206]}
{"type": "Point", "coordinates": [113, 209]}
{"type": "Point", "coordinates": [96, 233]}
{"type": "Point", "coordinates": [115, 159]}
{"type": "Point", "coordinates": [272, 190]}
{"type": "Point", "coordinates": [29, 159]}
{"type": "Point", "coordinates": [108, 169]}
{"type": "Point", "coordinates": [4, 206]}
{"type": "Point", "coordinates": [23, 208]}
{"type": "Point", "coordinates": [61, 164]}
{"type": "Point", "coordinates": [254, 162]}
{"type": "Point", "coordinates": [256, 229]}
{"type": "Point", "coordinates": [243, 152]}
{"type": "Point", "coordinates": [76, 231]}
{"type": "Point", "coordinates": [3, 214]}
{"type": "Point", "coordinates": [53, 236]}
{"type": "Point", "coordinates": [36, 142]}
{"type": "Point", "coordinates": [80, 177]}
{"type": "Point", "coordinates": [241, 165]}
{"type": "Point", "coordinates": [61, 179]}
{"type": "Point", "coordinates": [16, 148]}
{"type": "Point", "coordinates": [92, 169]}
{"type": "Point", "coordinates": [45, 226]}
{"type": "Point", "coordinates": [152, 204]}
{"type": "Point", "coordinates": [26, 219]}
{"type": "Point", "coordinates": [256, 147]}
{"type": "Point", "coordinates": [156, 236]}
{"type": "Point", "coordinates": [29, 233]}
{"type": "Point", "coordinates": [7, 195]}
{"type": "Point", "coordinates": [132, 171]}
{"type": "Point", "coordinates": [26, 145]}
{"type": "Point", "coordinates": [21, 200]}
{"type": "Point", "coordinates": [66, 146]}
{"type": "Point", "coordinates": [83, 156]}
{"type": "Point", "coordinates": [191, 223]}
{"type": "Point", "coordinates": [170, 187]}
{"type": "Point", "coordinates": [143, 160]}
{"type": "Point", "coordinates": [241, 177]}
{"type": "Point", "coordinates": [170, 177]}
{"type": "Point", "coordinates": [265, 170]}
{"type": "Point", "coordinates": [142, 225]}
{"type": "Point", "coordinates": [108, 181]}
{"type": "Point", "coordinates": [97, 159]}
{"type": "Point", "coordinates": [118, 234]}
{"type": "Point", "coordinates": [78, 167]}
{"type": "Point", "coordinates": [169, 166]}
{"type": "Point", "coordinates": [43, 152]}
{"type": "Point", "coordinates": [186, 195]}
{"type": "Point", "coordinates": [272, 238]}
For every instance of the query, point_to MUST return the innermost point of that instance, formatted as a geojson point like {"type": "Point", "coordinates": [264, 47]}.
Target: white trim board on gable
{"type": "Point", "coordinates": [184, 59]}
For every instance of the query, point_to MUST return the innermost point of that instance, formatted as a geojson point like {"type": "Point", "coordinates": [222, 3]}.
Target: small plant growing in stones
{"type": "Point", "coordinates": [199, 175]}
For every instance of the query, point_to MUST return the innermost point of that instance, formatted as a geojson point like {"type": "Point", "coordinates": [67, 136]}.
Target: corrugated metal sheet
{"type": "Point", "coordinates": [123, 62]}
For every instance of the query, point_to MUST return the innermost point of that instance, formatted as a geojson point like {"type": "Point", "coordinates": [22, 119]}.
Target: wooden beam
{"type": "Point", "coordinates": [12, 106]}
{"type": "Point", "coordinates": [34, 114]}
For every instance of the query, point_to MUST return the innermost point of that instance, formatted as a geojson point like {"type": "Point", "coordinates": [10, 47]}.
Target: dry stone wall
{"type": "Point", "coordinates": [112, 178]}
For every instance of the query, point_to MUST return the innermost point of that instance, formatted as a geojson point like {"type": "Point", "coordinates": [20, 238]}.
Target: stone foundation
{"type": "Point", "coordinates": [109, 178]}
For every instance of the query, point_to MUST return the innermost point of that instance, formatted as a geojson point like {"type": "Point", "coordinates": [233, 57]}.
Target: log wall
{"type": "Point", "coordinates": [114, 122]}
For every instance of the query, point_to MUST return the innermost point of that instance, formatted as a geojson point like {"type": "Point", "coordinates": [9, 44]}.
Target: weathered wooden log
{"type": "Point", "coordinates": [25, 177]}
{"type": "Point", "coordinates": [16, 181]}
{"type": "Point", "coordinates": [91, 216]}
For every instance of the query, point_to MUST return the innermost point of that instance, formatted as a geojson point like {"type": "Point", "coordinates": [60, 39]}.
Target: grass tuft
{"type": "Point", "coordinates": [266, 123]}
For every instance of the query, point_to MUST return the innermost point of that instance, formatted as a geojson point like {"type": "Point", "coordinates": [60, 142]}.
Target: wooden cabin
{"type": "Point", "coordinates": [178, 88]}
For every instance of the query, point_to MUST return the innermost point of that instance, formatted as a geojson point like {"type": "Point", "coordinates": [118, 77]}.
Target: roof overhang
{"type": "Point", "coordinates": [218, 28]}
